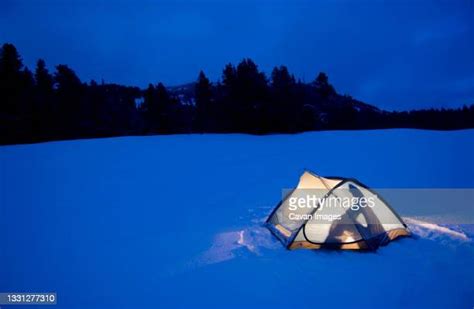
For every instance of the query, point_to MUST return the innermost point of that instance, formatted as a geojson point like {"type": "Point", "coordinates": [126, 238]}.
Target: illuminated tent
{"type": "Point", "coordinates": [336, 213]}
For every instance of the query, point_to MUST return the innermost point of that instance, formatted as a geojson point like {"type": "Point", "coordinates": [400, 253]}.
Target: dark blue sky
{"type": "Point", "coordinates": [394, 54]}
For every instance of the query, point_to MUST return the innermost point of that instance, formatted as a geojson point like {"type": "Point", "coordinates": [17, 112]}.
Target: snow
{"type": "Point", "coordinates": [175, 221]}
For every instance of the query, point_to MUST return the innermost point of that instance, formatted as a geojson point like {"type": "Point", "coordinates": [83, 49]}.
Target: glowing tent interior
{"type": "Point", "coordinates": [334, 213]}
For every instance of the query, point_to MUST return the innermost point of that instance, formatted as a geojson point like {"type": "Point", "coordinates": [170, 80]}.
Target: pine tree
{"type": "Point", "coordinates": [282, 81]}
{"type": "Point", "coordinates": [322, 85]}
{"type": "Point", "coordinates": [203, 95]}
{"type": "Point", "coordinates": [229, 76]}
{"type": "Point", "coordinates": [44, 110]}
{"type": "Point", "coordinates": [69, 92]}
{"type": "Point", "coordinates": [11, 79]}
{"type": "Point", "coordinates": [162, 98]}
{"type": "Point", "coordinates": [44, 80]}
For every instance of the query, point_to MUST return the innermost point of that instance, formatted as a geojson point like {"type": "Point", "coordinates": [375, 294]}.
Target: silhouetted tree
{"type": "Point", "coordinates": [27, 110]}
{"type": "Point", "coordinates": [11, 79]}
{"type": "Point", "coordinates": [159, 109]}
{"type": "Point", "coordinates": [16, 96]}
{"type": "Point", "coordinates": [203, 97]}
{"type": "Point", "coordinates": [69, 93]}
{"type": "Point", "coordinates": [44, 80]}
{"type": "Point", "coordinates": [250, 82]}
{"type": "Point", "coordinates": [229, 76]}
{"type": "Point", "coordinates": [322, 85]}
{"type": "Point", "coordinates": [100, 115]}
{"type": "Point", "coordinates": [282, 81]}
{"type": "Point", "coordinates": [246, 92]}
{"type": "Point", "coordinates": [43, 102]}
{"type": "Point", "coordinates": [149, 109]}
{"type": "Point", "coordinates": [162, 97]}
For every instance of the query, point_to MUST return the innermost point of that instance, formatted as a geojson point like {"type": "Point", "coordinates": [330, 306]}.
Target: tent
{"type": "Point", "coordinates": [335, 213]}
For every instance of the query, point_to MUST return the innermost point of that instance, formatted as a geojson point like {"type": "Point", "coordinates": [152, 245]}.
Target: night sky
{"type": "Point", "coordinates": [396, 55]}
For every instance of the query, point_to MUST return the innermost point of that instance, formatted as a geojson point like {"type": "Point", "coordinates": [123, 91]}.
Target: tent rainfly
{"type": "Point", "coordinates": [334, 213]}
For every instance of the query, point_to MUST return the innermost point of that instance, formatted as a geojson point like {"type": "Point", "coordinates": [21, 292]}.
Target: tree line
{"type": "Point", "coordinates": [41, 106]}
